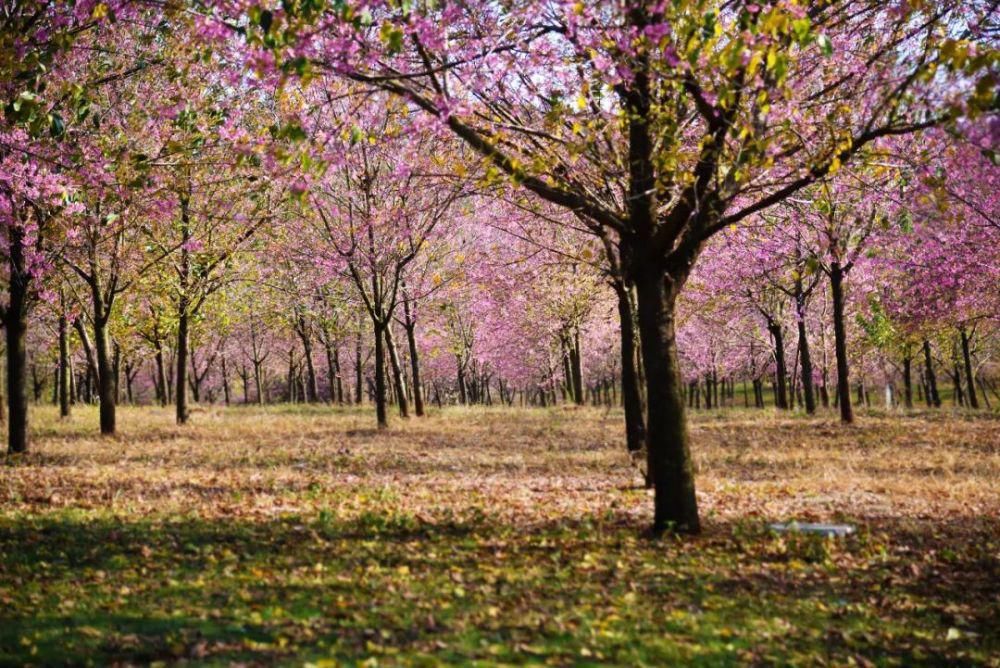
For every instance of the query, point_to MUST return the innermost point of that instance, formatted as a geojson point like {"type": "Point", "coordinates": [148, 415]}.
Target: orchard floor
{"type": "Point", "coordinates": [292, 535]}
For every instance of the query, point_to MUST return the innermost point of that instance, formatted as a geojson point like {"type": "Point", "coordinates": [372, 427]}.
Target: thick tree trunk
{"type": "Point", "coordinates": [840, 343]}
{"type": "Point", "coordinates": [669, 456]}
{"type": "Point", "coordinates": [933, 398]}
{"type": "Point", "coordinates": [16, 326]}
{"type": "Point", "coordinates": [970, 379]}
{"type": "Point", "coordinates": [635, 423]}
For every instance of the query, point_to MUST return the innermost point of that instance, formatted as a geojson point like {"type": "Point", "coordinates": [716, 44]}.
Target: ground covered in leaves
{"type": "Point", "coordinates": [489, 536]}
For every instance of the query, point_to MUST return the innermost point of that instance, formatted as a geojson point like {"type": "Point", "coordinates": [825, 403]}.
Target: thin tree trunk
{"type": "Point", "coordinates": [180, 382]}
{"type": "Point", "coordinates": [933, 398]}
{"type": "Point", "coordinates": [970, 379]}
{"type": "Point", "coordinates": [64, 371]}
{"type": "Point", "coordinates": [358, 383]}
{"type": "Point", "coordinates": [258, 382]}
{"type": "Point", "coordinates": [380, 409]}
{"type": "Point", "coordinates": [312, 388]}
{"type": "Point", "coordinates": [635, 423]}
{"type": "Point", "coordinates": [840, 343]}
{"type": "Point", "coordinates": [805, 355]}
{"type": "Point", "coordinates": [411, 339]}
{"type": "Point", "coordinates": [781, 390]}
{"type": "Point", "coordinates": [908, 381]}
{"type": "Point", "coordinates": [225, 381]}
{"type": "Point", "coordinates": [397, 372]}
{"type": "Point", "coordinates": [576, 367]}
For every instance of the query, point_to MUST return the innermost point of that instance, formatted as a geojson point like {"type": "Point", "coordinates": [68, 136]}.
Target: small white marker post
{"type": "Point", "coordinates": [836, 530]}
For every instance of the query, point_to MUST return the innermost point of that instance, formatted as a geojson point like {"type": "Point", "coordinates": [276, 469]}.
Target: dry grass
{"type": "Point", "coordinates": [921, 575]}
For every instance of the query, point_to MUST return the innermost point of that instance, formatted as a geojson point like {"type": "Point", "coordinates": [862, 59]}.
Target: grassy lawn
{"type": "Point", "coordinates": [300, 535]}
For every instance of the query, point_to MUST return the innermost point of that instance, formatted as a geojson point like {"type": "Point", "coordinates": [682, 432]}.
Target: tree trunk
{"type": "Point", "coordinates": [161, 375]}
{"type": "Point", "coordinates": [258, 382]}
{"type": "Point", "coordinates": [970, 379]}
{"type": "Point", "coordinates": [16, 326]}
{"type": "Point", "coordinates": [933, 398]}
{"type": "Point", "coordinates": [312, 388]}
{"type": "Point", "coordinates": [669, 455]}
{"type": "Point", "coordinates": [64, 398]}
{"type": "Point", "coordinates": [781, 373]}
{"type": "Point", "coordinates": [225, 381]}
{"type": "Point", "coordinates": [180, 382]}
{"type": "Point", "coordinates": [332, 371]}
{"type": "Point", "coordinates": [380, 412]}
{"type": "Point", "coordinates": [107, 391]}
{"type": "Point", "coordinates": [183, 306]}
{"type": "Point", "coordinates": [805, 355]}
{"type": "Point", "coordinates": [88, 353]}
{"type": "Point", "coordinates": [576, 367]}
{"type": "Point", "coordinates": [397, 372]}
{"type": "Point", "coordinates": [908, 381]}
{"type": "Point", "coordinates": [840, 343]}
{"type": "Point", "coordinates": [462, 395]}
{"type": "Point", "coordinates": [358, 384]}
{"type": "Point", "coordinates": [411, 339]}
{"type": "Point", "coordinates": [635, 424]}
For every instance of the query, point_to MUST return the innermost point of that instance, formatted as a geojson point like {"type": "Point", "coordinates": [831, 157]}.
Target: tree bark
{"type": "Point", "coordinates": [16, 325]}
{"type": "Point", "coordinates": [805, 355]}
{"type": "Point", "coordinates": [970, 379]}
{"type": "Point", "coordinates": [781, 373]}
{"type": "Point", "coordinates": [635, 424]}
{"type": "Point", "coordinates": [411, 339]}
{"type": "Point", "coordinates": [576, 367]}
{"type": "Point", "coordinates": [180, 382]}
{"type": "Point", "coordinates": [312, 388]}
{"type": "Point", "coordinates": [933, 398]}
{"type": "Point", "coordinates": [418, 398]}
{"type": "Point", "coordinates": [840, 343]}
{"type": "Point", "coordinates": [669, 455]}
{"type": "Point", "coordinates": [161, 375]}
{"type": "Point", "coordinates": [64, 398]}
{"type": "Point", "coordinates": [380, 411]}
{"type": "Point", "coordinates": [106, 387]}
{"type": "Point", "coordinates": [908, 381]}
{"type": "Point", "coordinates": [397, 372]}
{"type": "Point", "coordinates": [358, 383]}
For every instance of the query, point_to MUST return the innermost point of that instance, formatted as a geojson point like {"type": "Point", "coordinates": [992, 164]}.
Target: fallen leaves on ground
{"type": "Point", "coordinates": [259, 536]}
